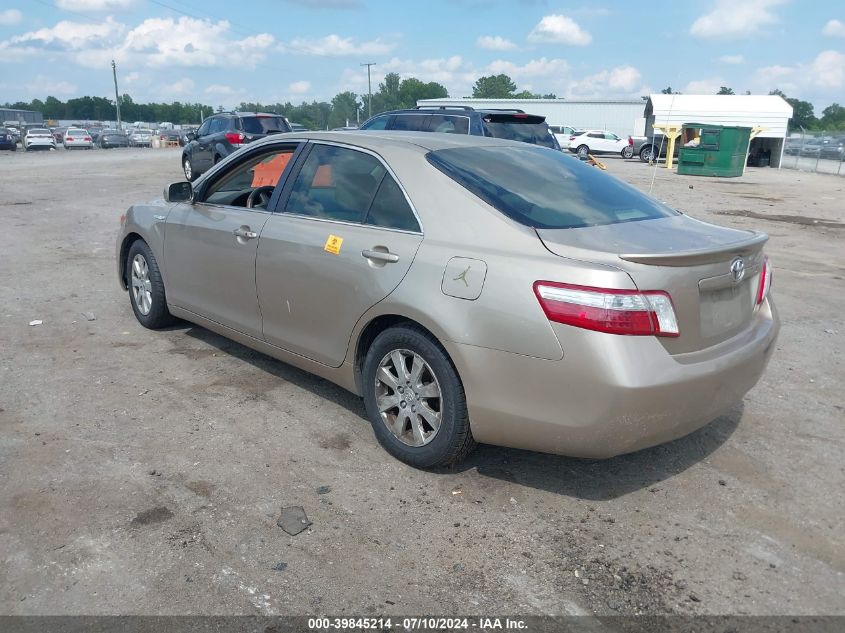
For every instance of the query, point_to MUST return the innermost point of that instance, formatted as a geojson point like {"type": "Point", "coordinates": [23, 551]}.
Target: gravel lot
{"type": "Point", "coordinates": [143, 471]}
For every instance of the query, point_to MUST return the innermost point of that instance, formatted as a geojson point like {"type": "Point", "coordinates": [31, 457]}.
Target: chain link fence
{"type": "Point", "coordinates": [822, 152]}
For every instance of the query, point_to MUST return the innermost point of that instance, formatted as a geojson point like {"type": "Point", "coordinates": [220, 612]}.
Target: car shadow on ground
{"type": "Point", "coordinates": [590, 479]}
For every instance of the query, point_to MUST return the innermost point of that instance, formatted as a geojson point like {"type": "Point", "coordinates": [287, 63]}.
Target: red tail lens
{"type": "Point", "coordinates": [630, 141]}
{"type": "Point", "coordinates": [765, 281]}
{"type": "Point", "coordinates": [87, 138]}
{"type": "Point", "coordinates": [607, 310]}
{"type": "Point", "coordinates": [234, 138]}
{"type": "Point", "coordinates": [70, 138]}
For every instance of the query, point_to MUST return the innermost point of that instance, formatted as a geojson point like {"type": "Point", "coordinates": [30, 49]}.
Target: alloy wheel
{"type": "Point", "coordinates": [408, 397]}
{"type": "Point", "coordinates": [142, 288]}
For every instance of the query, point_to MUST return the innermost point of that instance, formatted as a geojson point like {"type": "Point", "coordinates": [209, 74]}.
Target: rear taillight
{"type": "Point", "coordinates": [87, 138]}
{"type": "Point", "coordinates": [607, 310]}
{"type": "Point", "coordinates": [765, 281]}
{"type": "Point", "coordinates": [572, 138]}
{"type": "Point", "coordinates": [235, 138]}
{"type": "Point", "coordinates": [630, 141]}
{"type": "Point", "coordinates": [69, 138]}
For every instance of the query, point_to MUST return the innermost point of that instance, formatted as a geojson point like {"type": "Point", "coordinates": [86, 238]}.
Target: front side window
{"type": "Point", "coordinates": [379, 123]}
{"type": "Point", "coordinates": [204, 128]}
{"type": "Point", "coordinates": [336, 183]}
{"type": "Point", "coordinates": [545, 189]}
{"type": "Point", "coordinates": [259, 174]}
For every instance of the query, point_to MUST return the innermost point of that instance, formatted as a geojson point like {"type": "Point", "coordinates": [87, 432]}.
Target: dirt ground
{"type": "Point", "coordinates": [143, 472]}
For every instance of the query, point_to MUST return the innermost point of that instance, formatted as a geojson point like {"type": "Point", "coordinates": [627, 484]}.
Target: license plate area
{"type": "Point", "coordinates": [725, 310]}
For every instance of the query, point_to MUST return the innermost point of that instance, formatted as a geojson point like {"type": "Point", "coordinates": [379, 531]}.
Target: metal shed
{"type": "Point", "coordinates": [769, 113]}
{"type": "Point", "coordinates": [618, 116]}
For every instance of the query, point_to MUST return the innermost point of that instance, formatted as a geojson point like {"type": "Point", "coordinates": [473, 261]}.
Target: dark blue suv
{"type": "Point", "coordinates": [514, 125]}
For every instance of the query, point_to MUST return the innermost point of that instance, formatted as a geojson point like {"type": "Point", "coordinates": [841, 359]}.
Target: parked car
{"type": "Point", "coordinates": [586, 142]}
{"type": "Point", "coordinates": [470, 289]}
{"type": "Point", "coordinates": [77, 138]}
{"type": "Point", "coordinates": [812, 147]}
{"type": "Point", "coordinates": [514, 125]}
{"type": "Point", "coordinates": [94, 133]}
{"type": "Point", "coordinates": [14, 132]}
{"type": "Point", "coordinates": [58, 134]}
{"type": "Point", "coordinates": [834, 149]}
{"type": "Point", "coordinates": [222, 134]}
{"type": "Point", "coordinates": [297, 127]}
{"type": "Point", "coordinates": [169, 135]}
{"type": "Point", "coordinates": [562, 134]}
{"type": "Point", "coordinates": [39, 138]}
{"type": "Point", "coordinates": [112, 138]}
{"type": "Point", "coordinates": [793, 146]}
{"type": "Point", "coordinates": [140, 137]}
{"type": "Point", "coordinates": [7, 141]}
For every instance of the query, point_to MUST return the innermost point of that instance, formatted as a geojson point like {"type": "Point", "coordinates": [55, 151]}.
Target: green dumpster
{"type": "Point", "coordinates": [713, 150]}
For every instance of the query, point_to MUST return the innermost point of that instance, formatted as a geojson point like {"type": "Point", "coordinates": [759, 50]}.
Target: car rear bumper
{"type": "Point", "coordinates": [603, 399]}
{"type": "Point", "coordinates": [41, 143]}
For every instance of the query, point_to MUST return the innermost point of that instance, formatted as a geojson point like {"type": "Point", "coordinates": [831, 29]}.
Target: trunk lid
{"type": "Point", "coordinates": [689, 259]}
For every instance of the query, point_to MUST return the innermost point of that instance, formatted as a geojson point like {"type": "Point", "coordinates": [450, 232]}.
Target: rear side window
{"type": "Point", "coordinates": [263, 124]}
{"type": "Point", "coordinates": [520, 127]}
{"type": "Point", "coordinates": [336, 183]}
{"type": "Point", "coordinates": [446, 124]}
{"type": "Point", "coordinates": [409, 122]}
{"type": "Point", "coordinates": [545, 189]}
{"type": "Point", "coordinates": [390, 209]}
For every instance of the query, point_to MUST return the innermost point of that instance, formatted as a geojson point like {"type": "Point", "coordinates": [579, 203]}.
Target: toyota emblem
{"type": "Point", "coordinates": [737, 270]}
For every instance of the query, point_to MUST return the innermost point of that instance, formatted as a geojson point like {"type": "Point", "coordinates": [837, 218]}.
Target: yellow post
{"type": "Point", "coordinates": [671, 132]}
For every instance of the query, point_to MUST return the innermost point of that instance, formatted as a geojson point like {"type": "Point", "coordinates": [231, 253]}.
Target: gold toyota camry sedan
{"type": "Point", "coordinates": [469, 289]}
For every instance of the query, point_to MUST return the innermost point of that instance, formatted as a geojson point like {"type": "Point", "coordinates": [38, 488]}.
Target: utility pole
{"type": "Point", "coordinates": [369, 90]}
{"type": "Point", "coordinates": [116, 96]}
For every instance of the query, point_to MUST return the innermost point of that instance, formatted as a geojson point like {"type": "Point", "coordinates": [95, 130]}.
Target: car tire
{"type": "Point", "coordinates": [188, 169]}
{"type": "Point", "coordinates": [146, 287]}
{"type": "Point", "coordinates": [438, 395]}
{"type": "Point", "coordinates": [582, 151]}
{"type": "Point", "coordinates": [646, 153]}
{"type": "Point", "coordinates": [627, 151]}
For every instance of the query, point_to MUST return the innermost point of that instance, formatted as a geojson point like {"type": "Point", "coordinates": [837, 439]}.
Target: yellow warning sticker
{"type": "Point", "coordinates": [333, 244]}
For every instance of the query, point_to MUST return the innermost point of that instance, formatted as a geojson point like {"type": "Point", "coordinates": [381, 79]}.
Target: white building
{"type": "Point", "coordinates": [769, 112]}
{"type": "Point", "coordinates": [620, 117]}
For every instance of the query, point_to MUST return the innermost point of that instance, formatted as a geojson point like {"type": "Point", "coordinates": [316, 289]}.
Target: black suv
{"type": "Point", "coordinates": [514, 125]}
{"type": "Point", "coordinates": [223, 133]}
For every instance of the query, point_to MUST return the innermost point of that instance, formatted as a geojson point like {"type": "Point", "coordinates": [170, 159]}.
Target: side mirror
{"type": "Point", "coordinates": [178, 192]}
{"type": "Point", "coordinates": [191, 136]}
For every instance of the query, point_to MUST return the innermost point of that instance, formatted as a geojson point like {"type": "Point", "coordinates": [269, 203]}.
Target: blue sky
{"type": "Point", "coordinates": [222, 52]}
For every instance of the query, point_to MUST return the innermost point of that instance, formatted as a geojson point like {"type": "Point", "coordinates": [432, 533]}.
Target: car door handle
{"type": "Point", "coordinates": [380, 256]}
{"type": "Point", "coordinates": [245, 233]}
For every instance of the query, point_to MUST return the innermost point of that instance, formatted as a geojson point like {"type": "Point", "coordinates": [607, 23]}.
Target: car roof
{"type": "Point", "coordinates": [378, 139]}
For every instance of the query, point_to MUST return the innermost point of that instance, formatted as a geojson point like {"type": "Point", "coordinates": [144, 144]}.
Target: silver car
{"type": "Point", "coordinates": [470, 289]}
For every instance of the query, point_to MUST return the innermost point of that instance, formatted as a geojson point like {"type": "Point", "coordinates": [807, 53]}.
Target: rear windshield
{"type": "Point", "coordinates": [520, 127]}
{"type": "Point", "coordinates": [77, 132]}
{"type": "Point", "coordinates": [545, 189]}
{"type": "Point", "coordinates": [39, 131]}
{"type": "Point", "coordinates": [264, 124]}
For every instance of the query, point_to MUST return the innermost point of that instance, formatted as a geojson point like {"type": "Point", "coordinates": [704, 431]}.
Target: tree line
{"type": "Point", "coordinates": [349, 108]}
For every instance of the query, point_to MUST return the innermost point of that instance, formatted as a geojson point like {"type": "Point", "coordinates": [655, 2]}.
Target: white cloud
{"type": "Point", "coordinates": [559, 29]}
{"type": "Point", "coordinates": [10, 17]}
{"type": "Point", "coordinates": [336, 46]}
{"type": "Point", "coordinates": [708, 86]}
{"type": "Point", "coordinates": [95, 5]}
{"type": "Point", "coordinates": [42, 85]}
{"type": "Point", "coordinates": [735, 18]}
{"type": "Point", "coordinates": [299, 87]}
{"type": "Point", "coordinates": [220, 90]}
{"type": "Point", "coordinates": [72, 36]}
{"type": "Point", "coordinates": [154, 43]}
{"type": "Point", "coordinates": [834, 28]}
{"type": "Point", "coordinates": [495, 43]}
{"type": "Point", "coordinates": [823, 76]}
{"type": "Point", "coordinates": [182, 86]}
{"type": "Point", "coordinates": [622, 81]}
{"type": "Point", "coordinates": [547, 68]}
{"type": "Point", "coordinates": [732, 59]}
